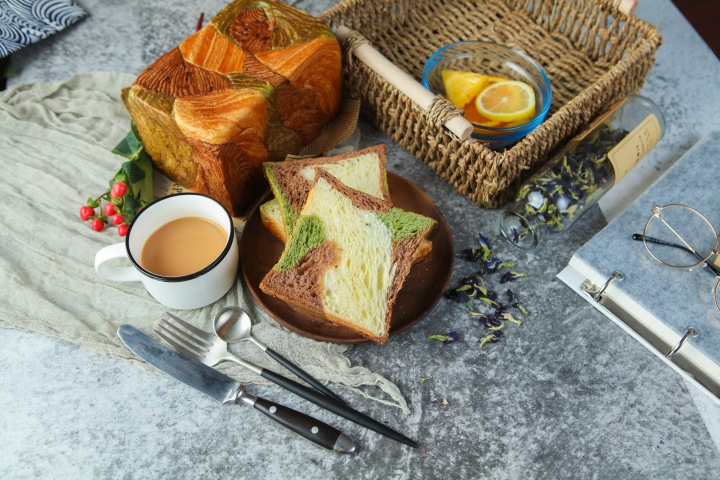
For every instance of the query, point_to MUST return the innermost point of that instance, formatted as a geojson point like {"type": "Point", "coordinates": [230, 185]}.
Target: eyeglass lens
{"type": "Point", "coordinates": [690, 238]}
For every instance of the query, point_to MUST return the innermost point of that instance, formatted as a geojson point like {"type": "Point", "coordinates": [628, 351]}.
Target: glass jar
{"type": "Point", "coordinates": [583, 171]}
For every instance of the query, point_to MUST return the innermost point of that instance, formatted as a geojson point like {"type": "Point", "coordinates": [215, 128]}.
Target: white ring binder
{"type": "Point", "coordinates": [653, 304]}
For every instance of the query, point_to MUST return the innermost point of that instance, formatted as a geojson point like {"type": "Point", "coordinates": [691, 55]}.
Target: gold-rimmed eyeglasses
{"type": "Point", "coordinates": [679, 236]}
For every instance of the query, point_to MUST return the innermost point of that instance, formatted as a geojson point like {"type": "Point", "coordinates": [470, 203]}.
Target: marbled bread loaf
{"type": "Point", "coordinates": [258, 82]}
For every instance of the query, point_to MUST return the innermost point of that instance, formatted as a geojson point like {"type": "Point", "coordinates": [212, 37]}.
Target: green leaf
{"type": "Point", "coordinates": [137, 172]}
{"type": "Point", "coordinates": [134, 173]}
{"type": "Point", "coordinates": [140, 178]}
{"type": "Point", "coordinates": [130, 146]}
{"type": "Point", "coordinates": [130, 208]}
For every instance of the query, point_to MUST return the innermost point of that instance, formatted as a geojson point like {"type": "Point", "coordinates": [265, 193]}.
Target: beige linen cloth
{"type": "Point", "coordinates": [55, 144]}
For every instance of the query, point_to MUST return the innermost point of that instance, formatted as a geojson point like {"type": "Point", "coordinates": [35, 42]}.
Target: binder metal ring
{"type": "Point", "coordinates": [616, 275]}
{"type": "Point", "coordinates": [690, 332]}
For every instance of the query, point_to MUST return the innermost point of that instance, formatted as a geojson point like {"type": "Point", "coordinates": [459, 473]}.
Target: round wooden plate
{"type": "Point", "coordinates": [423, 288]}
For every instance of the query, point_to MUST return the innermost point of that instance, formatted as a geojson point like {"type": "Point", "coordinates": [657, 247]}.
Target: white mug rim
{"type": "Point", "coordinates": [183, 278]}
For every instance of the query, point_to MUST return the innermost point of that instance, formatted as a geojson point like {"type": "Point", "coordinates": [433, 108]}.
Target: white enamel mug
{"type": "Point", "coordinates": [186, 292]}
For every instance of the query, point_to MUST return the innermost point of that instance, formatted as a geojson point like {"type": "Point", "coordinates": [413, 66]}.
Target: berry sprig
{"type": "Point", "coordinates": [117, 209]}
{"type": "Point", "coordinates": [130, 189]}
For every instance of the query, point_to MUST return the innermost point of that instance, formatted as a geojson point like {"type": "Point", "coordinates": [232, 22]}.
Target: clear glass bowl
{"type": "Point", "coordinates": [489, 58]}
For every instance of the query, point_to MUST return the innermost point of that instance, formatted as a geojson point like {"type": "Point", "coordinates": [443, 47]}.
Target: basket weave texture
{"type": "Point", "coordinates": [593, 55]}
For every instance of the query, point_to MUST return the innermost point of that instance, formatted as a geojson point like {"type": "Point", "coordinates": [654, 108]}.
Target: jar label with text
{"type": "Point", "coordinates": [626, 154]}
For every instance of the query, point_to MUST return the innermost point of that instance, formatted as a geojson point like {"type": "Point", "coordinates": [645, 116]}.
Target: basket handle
{"type": "Point", "coordinates": [413, 89]}
{"type": "Point", "coordinates": [626, 6]}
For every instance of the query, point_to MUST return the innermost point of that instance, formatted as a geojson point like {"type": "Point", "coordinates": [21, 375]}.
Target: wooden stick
{"type": "Point", "coordinates": [627, 6]}
{"type": "Point", "coordinates": [422, 97]}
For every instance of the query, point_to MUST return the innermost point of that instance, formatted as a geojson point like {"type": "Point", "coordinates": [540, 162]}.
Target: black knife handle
{"type": "Point", "coordinates": [336, 407]}
{"type": "Point", "coordinates": [307, 426]}
{"type": "Point", "coordinates": [302, 374]}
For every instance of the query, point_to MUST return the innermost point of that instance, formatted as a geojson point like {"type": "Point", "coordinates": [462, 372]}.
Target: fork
{"type": "Point", "coordinates": [206, 347]}
{"type": "Point", "coordinates": [210, 350]}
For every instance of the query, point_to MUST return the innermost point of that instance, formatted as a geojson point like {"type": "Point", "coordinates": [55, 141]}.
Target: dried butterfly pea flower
{"type": "Point", "coordinates": [473, 292]}
{"type": "Point", "coordinates": [493, 337]}
{"type": "Point", "coordinates": [494, 264]}
{"type": "Point", "coordinates": [515, 302]}
{"type": "Point", "coordinates": [489, 301]}
{"type": "Point", "coordinates": [471, 288]}
{"type": "Point", "coordinates": [471, 255]}
{"type": "Point", "coordinates": [484, 243]}
{"type": "Point", "coordinates": [509, 317]}
{"type": "Point", "coordinates": [475, 254]}
{"type": "Point", "coordinates": [512, 276]}
{"type": "Point", "coordinates": [490, 321]}
{"type": "Point", "coordinates": [521, 307]}
{"type": "Point", "coordinates": [450, 337]}
{"type": "Point", "coordinates": [458, 295]}
{"type": "Point", "coordinates": [510, 295]}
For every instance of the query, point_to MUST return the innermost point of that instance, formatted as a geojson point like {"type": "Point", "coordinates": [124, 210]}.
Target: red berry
{"type": "Point", "coordinates": [117, 219]}
{"type": "Point", "coordinates": [109, 209]}
{"type": "Point", "coordinates": [122, 230]}
{"type": "Point", "coordinates": [86, 212]}
{"type": "Point", "coordinates": [97, 224]}
{"type": "Point", "coordinates": [118, 189]}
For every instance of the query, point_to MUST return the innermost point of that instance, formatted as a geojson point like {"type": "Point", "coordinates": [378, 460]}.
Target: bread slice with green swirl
{"type": "Point", "coordinates": [363, 170]}
{"type": "Point", "coordinates": [347, 257]}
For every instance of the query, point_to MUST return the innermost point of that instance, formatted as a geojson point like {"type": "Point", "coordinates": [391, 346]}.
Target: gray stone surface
{"type": "Point", "coordinates": [564, 395]}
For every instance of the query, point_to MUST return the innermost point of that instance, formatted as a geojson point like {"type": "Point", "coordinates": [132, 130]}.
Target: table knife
{"type": "Point", "coordinates": [226, 390]}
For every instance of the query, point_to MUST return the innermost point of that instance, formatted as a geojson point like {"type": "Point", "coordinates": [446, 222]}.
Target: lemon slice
{"type": "Point", "coordinates": [509, 101]}
{"type": "Point", "coordinates": [462, 87]}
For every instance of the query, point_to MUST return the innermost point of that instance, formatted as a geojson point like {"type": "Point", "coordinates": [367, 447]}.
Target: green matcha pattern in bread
{"type": "Point", "coordinates": [310, 233]}
{"type": "Point", "coordinates": [288, 215]}
{"type": "Point", "coordinates": [404, 224]}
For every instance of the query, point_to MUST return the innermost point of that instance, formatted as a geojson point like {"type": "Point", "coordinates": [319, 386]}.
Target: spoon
{"type": "Point", "coordinates": [233, 324]}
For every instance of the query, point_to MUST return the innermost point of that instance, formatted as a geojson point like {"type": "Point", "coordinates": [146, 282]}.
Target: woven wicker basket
{"type": "Point", "coordinates": [593, 54]}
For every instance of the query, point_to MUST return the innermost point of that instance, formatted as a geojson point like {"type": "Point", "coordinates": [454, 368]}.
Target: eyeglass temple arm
{"type": "Point", "coordinates": [640, 237]}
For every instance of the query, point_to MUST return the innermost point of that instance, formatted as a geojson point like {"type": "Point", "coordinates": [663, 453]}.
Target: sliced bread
{"type": "Point", "coordinates": [348, 257]}
{"type": "Point", "coordinates": [291, 180]}
{"type": "Point", "coordinates": [363, 170]}
{"type": "Point", "coordinates": [272, 220]}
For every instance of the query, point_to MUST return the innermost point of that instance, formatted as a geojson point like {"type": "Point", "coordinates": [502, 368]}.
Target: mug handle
{"type": "Point", "coordinates": [113, 273]}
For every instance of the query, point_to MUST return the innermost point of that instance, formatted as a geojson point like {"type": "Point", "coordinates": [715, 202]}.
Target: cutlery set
{"type": "Point", "coordinates": [194, 352]}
